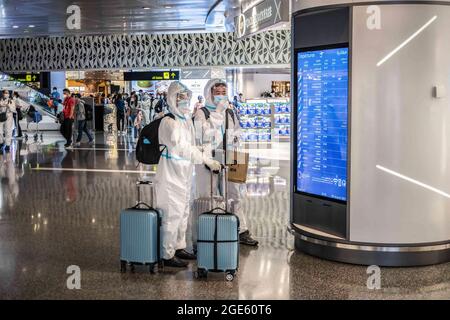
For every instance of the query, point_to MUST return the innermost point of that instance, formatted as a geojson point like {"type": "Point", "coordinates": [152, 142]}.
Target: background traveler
{"type": "Point", "coordinates": [7, 109]}
{"type": "Point", "coordinates": [18, 116]}
{"type": "Point", "coordinates": [80, 114]}
{"type": "Point", "coordinates": [120, 106]}
{"type": "Point", "coordinates": [69, 114]}
{"type": "Point", "coordinates": [55, 96]}
{"type": "Point", "coordinates": [199, 104]}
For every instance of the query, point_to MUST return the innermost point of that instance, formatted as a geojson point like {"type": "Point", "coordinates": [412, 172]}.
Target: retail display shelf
{"type": "Point", "coordinates": [255, 123]}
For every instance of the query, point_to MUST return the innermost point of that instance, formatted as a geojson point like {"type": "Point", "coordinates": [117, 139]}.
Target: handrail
{"type": "Point", "coordinates": [28, 94]}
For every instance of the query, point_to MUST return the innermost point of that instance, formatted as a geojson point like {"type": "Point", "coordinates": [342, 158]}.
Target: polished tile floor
{"type": "Point", "coordinates": [60, 208]}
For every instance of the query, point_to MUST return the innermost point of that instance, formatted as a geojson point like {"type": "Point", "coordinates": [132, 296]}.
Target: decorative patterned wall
{"type": "Point", "coordinates": [143, 51]}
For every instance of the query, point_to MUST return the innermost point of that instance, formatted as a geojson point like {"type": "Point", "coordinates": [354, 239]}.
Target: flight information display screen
{"type": "Point", "coordinates": [322, 124]}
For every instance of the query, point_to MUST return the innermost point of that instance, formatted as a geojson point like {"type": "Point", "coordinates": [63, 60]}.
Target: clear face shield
{"type": "Point", "coordinates": [184, 102]}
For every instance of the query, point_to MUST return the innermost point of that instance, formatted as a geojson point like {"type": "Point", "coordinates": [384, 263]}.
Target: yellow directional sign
{"type": "Point", "coordinates": [151, 75]}
{"type": "Point", "coordinates": [25, 77]}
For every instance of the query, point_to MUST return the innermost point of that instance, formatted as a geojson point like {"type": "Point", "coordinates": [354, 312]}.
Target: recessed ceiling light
{"type": "Point", "coordinates": [15, 27]}
{"type": "Point", "coordinates": [168, 7]}
{"type": "Point", "coordinates": [31, 26]}
{"type": "Point", "coordinates": [146, 8]}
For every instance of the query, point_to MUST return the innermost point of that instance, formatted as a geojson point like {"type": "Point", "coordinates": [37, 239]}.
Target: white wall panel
{"type": "Point", "coordinates": [396, 123]}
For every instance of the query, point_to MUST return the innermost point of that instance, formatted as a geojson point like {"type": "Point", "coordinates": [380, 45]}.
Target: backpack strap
{"type": "Point", "coordinates": [206, 112]}
{"type": "Point", "coordinates": [233, 117]}
{"type": "Point", "coordinates": [227, 126]}
{"type": "Point", "coordinates": [170, 116]}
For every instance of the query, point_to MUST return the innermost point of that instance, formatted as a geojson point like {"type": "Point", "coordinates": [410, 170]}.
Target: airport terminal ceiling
{"type": "Point", "coordinates": [26, 18]}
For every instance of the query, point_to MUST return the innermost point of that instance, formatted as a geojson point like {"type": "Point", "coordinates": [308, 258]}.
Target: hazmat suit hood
{"type": "Point", "coordinates": [174, 90]}
{"type": "Point", "coordinates": [209, 99]}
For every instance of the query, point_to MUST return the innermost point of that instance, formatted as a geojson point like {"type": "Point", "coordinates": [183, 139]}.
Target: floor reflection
{"type": "Point", "coordinates": [50, 220]}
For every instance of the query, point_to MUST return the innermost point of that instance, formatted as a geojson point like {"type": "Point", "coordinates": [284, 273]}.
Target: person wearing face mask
{"type": "Point", "coordinates": [69, 116]}
{"type": "Point", "coordinates": [174, 175]}
{"type": "Point", "coordinates": [7, 109]}
{"type": "Point", "coordinates": [18, 114]}
{"type": "Point", "coordinates": [199, 104]}
{"type": "Point", "coordinates": [210, 126]}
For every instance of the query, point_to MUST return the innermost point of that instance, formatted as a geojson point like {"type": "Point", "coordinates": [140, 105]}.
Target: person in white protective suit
{"type": "Point", "coordinates": [174, 176]}
{"type": "Point", "coordinates": [7, 109]}
{"type": "Point", "coordinates": [210, 127]}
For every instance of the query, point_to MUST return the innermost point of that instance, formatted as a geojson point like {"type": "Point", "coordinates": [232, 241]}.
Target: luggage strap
{"type": "Point", "coordinates": [215, 243]}
{"type": "Point", "coordinates": [218, 241]}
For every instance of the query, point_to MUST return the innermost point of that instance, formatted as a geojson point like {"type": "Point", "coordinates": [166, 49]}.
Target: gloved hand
{"type": "Point", "coordinates": [213, 165]}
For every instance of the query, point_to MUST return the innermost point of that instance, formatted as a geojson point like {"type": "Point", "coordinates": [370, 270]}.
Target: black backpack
{"type": "Point", "coordinates": [160, 106]}
{"type": "Point", "coordinates": [148, 148]}
{"type": "Point", "coordinates": [89, 112]}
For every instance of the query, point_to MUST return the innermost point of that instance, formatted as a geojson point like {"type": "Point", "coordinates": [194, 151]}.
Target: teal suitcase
{"type": "Point", "coordinates": [218, 244]}
{"type": "Point", "coordinates": [218, 240]}
{"type": "Point", "coordinates": [140, 236]}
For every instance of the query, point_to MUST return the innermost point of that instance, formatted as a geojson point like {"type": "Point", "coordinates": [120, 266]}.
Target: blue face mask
{"type": "Point", "coordinates": [183, 106]}
{"type": "Point", "coordinates": [219, 99]}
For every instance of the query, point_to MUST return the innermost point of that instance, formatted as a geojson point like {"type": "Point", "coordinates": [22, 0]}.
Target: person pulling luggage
{"type": "Point", "coordinates": [210, 125]}
{"type": "Point", "coordinates": [173, 178]}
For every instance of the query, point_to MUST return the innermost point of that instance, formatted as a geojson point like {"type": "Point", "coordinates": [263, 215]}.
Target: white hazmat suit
{"type": "Point", "coordinates": [174, 175]}
{"type": "Point", "coordinates": [6, 128]}
{"type": "Point", "coordinates": [209, 134]}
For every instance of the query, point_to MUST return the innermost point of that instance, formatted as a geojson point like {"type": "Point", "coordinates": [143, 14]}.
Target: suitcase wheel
{"type": "Point", "coordinates": [152, 268]}
{"type": "Point", "coordinates": [123, 267]}
{"type": "Point", "coordinates": [132, 269]}
{"type": "Point", "coordinates": [230, 276]}
{"type": "Point", "coordinates": [202, 274]}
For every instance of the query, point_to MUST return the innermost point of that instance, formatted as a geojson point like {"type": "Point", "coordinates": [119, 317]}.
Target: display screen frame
{"type": "Point", "coordinates": [295, 120]}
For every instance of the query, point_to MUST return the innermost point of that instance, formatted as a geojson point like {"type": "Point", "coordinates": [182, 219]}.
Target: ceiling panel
{"type": "Point", "coordinates": [25, 18]}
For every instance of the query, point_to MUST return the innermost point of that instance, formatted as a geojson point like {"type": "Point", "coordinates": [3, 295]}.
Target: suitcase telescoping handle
{"type": "Point", "coordinates": [150, 207]}
{"type": "Point", "coordinates": [224, 188]}
{"type": "Point", "coordinates": [139, 184]}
